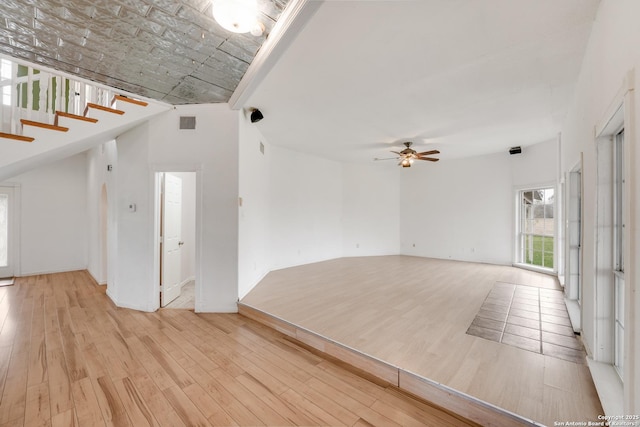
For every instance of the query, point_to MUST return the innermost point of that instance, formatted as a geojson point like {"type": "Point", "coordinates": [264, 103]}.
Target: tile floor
{"type": "Point", "coordinates": [530, 318]}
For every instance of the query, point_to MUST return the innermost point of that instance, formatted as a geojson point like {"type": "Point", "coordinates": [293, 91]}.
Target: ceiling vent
{"type": "Point", "coordinates": [187, 122]}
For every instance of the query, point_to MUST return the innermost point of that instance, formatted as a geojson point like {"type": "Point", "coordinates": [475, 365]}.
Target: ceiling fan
{"type": "Point", "coordinates": [408, 155]}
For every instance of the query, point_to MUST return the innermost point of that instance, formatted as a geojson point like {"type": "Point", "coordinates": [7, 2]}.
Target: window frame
{"type": "Point", "coordinates": [519, 250]}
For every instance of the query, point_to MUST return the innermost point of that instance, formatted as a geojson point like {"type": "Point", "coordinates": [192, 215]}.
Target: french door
{"type": "Point", "coordinates": [6, 218]}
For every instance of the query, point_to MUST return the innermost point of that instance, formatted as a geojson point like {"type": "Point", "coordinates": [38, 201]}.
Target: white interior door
{"type": "Point", "coordinates": [6, 209]}
{"type": "Point", "coordinates": [171, 261]}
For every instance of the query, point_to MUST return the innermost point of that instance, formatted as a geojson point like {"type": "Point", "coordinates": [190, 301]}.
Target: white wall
{"type": "Point", "coordinates": [298, 209]}
{"type": "Point", "coordinates": [371, 210]}
{"type": "Point", "coordinates": [463, 209]}
{"type": "Point", "coordinates": [305, 209]}
{"type": "Point", "coordinates": [458, 209]}
{"type": "Point", "coordinates": [612, 54]}
{"type": "Point", "coordinates": [97, 175]}
{"type": "Point", "coordinates": [133, 284]}
{"type": "Point", "coordinates": [291, 210]}
{"type": "Point", "coordinates": [254, 257]}
{"type": "Point", "coordinates": [53, 217]}
{"type": "Point", "coordinates": [211, 150]}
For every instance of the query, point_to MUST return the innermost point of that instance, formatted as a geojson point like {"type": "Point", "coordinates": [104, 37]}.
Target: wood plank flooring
{"type": "Point", "coordinates": [414, 312]}
{"type": "Point", "coordinates": [69, 357]}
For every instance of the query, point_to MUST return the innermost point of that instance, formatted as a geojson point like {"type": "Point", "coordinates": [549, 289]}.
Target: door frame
{"type": "Point", "coordinates": [156, 170]}
{"type": "Point", "coordinates": [14, 227]}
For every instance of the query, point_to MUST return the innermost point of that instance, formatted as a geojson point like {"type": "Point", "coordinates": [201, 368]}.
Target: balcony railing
{"type": "Point", "coordinates": [37, 93]}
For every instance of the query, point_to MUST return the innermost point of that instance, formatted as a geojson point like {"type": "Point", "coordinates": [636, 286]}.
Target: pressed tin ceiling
{"type": "Point", "coordinates": [169, 50]}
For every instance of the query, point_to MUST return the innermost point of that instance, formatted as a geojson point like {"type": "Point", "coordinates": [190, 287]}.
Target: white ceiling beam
{"type": "Point", "coordinates": [294, 18]}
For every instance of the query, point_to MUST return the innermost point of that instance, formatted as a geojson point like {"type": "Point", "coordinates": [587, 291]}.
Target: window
{"type": "Point", "coordinates": [5, 76]}
{"type": "Point", "coordinates": [4, 230]}
{"type": "Point", "coordinates": [536, 227]}
{"type": "Point", "coordinates": [618, 250]}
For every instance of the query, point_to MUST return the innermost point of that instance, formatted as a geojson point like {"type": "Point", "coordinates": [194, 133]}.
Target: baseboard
{"type": "Point", "coordinates": [39, 273]}
{"type": "Point", "coordinates": [139, 307]}
{"type": "Point", "coordinates": [255, 283]}
{"type": "Point", "coordinates": [206, 307]}
{"type": "Point", "coordinates": [187, 280]}
{"type": "Point", "coordinates": [95, 279]}
{"type": "Point", "coordinates": [447, 398]}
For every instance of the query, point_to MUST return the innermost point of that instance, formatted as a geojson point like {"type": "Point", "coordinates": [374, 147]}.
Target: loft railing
{"type": "Point", "coordinates": [37, 93]}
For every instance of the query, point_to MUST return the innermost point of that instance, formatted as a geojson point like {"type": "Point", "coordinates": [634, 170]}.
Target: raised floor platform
{"type": "Point", "coordinates": [404, 319]}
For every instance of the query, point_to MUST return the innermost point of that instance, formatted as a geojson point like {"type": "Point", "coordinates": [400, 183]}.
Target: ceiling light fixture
{"type": "Point", "coordinates": [237, 16]}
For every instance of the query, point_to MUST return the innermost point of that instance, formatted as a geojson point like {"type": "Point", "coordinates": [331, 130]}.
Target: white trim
{"type": "Point", "coordinates": [156, 169]}
{"type": "Point", "coordinates": [214, 307]}
{"type": "Point", "coordinates": [517, 189]}
{"type": "Point", "coordinates": [294, 18]}
{"type": "Point", "coordinates": [608, 386]}
{"type": "Point", "coordinates": [149, 308]}
{"type": "Point", "coordinates": [187, 280]}
{"type": "Point", "coordinates": [56, 271]}
{"type": "Point", "coordinates": [535, 268]}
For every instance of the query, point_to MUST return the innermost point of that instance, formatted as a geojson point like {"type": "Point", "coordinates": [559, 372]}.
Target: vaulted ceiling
{"type": "Point", "coordinates": [467, 77]}
{"type": "Point", "coordinates": [170, 50]}
{"type": "Point", "coordinates": [350, 79]}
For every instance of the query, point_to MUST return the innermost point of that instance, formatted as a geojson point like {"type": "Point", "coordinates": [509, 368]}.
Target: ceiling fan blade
{"type": "Point", "coordinates": [386, 158]}
{"type": "Point", "coordinates": [395, 152]}
{"type": "Point", "coordinates": [430, 159]}
{"type": "Point", "coordinates": [426, 153]}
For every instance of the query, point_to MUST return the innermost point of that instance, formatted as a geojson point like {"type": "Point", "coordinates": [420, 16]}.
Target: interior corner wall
{"type": "Point", "coordinates": [305, 208]}
{"type": "Point", "coordinates": [371, 209]}
{"type": "Point", "coordinates": [212, 150]}
{"type": "Point", "coordinates": [291, 208]}
{"type": "Point", "coordinates": [458, 209]}
{"type": "Point", "coordinates": [254, 256]}
{"type": "Point", "coordinates": [464, 209]}
{"type": "Point", "coordinates": [298, 209]}
{"type": "Point", "coordinates": [612, 53]}
{"type": "Point", "coordinates": [53, 215]}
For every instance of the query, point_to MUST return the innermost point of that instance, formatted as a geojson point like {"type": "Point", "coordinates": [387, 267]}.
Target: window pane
{"type": "Point", "coordinates": [537, 227]}
{"type": "Point", "coordinates": [4, 229]}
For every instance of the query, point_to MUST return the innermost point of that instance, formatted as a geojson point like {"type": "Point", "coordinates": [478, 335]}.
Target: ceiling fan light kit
{"type": "Point", "coordinates": [408, 155]}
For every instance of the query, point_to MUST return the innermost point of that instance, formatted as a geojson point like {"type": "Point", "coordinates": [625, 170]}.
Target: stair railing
{"type": "Point", "coordinates": [34, 92]}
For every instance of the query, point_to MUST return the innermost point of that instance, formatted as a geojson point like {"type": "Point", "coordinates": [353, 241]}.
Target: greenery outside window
{"type": "Point", "coordinates": [536, 227]}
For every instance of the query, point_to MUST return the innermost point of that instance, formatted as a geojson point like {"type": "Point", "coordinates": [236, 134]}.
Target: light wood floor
{"type": "Point", "coordinates": [414, 313]}
{"type": "Point", "coordinates": [68, 357]}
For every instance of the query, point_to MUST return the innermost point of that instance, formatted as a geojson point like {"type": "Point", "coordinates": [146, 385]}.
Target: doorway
{"type": "Point", "coordinates": [7, 217]}
{"type": "Point", "coordinates": [177, 237]}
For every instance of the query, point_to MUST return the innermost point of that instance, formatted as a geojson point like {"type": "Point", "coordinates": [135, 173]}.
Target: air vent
{"type": "Point", "coordinates": [187, 122]}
